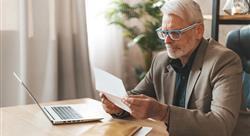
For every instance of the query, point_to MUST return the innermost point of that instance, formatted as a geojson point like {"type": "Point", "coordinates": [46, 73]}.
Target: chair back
{"type": "Point", "coordinates": [239, 41]}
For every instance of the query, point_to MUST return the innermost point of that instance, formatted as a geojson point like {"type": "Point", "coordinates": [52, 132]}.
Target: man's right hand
{"type": "Point", "coordinates": [108, 106]}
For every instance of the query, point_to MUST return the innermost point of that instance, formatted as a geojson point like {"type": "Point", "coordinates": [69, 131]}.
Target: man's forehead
{"type": "Point", "coordinates": [173, 21]}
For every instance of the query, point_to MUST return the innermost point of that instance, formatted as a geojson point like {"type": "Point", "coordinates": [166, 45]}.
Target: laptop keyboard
{"type": "Point", "coordinates": [66, 112]}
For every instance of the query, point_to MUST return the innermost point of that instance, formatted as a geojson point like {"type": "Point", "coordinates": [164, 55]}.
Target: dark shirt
{"type": "Point", "coordinates": [182, 74]}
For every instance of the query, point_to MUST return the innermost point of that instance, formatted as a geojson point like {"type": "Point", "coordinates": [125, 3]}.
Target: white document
{"type": "Point", "coordinates": [112, 87]}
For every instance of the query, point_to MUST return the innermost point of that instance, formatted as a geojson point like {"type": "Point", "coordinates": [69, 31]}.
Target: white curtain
{"type": "Point", "coordinates": [49, 50]}
{"type": "Point", "coordinates": [105, 41]}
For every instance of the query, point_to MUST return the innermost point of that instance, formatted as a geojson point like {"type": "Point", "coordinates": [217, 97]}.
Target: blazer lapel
{"type": "Point", "coordinates": [169, 84]}
{"type": "Point", "coordinates": [195, 70]}
{"type": "Point", "coordinates": [193, 77]}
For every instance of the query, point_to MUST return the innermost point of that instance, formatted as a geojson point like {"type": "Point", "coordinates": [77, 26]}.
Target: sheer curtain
{"type": "Point", "coordinates": [106, 44]}
{"type": "Point", "coordinates": [48, 49]}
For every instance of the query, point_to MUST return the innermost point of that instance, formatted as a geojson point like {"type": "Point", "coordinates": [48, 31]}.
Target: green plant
{"type": "Point", "coordinates": [142, 33]}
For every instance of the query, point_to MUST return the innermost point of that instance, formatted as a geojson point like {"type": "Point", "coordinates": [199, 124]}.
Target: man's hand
{"type": "Point", "coordinates": [143, 107]}
{"type": "Point", "coordinates": [108, 106]}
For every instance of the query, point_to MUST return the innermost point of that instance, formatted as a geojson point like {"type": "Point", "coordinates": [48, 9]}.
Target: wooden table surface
{"type": "Point", "coordinates": [28, 120]}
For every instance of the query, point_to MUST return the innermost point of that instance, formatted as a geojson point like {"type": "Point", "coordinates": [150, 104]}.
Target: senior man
{"type": "Point", "coordinates": [195, 86]}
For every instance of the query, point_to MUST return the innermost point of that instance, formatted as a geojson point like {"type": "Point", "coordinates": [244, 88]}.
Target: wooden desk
{"type": "Point", "coordinates": [28, 120]}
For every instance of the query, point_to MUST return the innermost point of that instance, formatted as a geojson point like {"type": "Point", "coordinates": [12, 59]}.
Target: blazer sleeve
{"type": "Point", "coordinates": [146, 85]}
{"type": "Point", "coordinates": [226, 82]}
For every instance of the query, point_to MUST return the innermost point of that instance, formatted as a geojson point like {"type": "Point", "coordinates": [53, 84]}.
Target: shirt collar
{"type": "Point", "coordinates": [177, 65]}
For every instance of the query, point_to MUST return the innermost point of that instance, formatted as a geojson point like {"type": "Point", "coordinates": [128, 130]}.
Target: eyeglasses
{"type": "Point", "coordinates": [173, 34]}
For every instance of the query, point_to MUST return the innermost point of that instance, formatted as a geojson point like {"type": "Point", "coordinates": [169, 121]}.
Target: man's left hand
{"type": "Point", "coordinates": [143, 107]}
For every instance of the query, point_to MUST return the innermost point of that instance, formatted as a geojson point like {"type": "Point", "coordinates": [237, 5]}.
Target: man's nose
{"type": "Point", "coordinates": [167, 39]}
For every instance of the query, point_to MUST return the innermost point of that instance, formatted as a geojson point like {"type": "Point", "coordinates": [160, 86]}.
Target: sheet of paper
{"type": "Point", "coordinates": [112, 87]}
{"type": "Point", "coordinates": [143, 131]}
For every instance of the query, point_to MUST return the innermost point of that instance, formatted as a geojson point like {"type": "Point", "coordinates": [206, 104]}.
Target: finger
{"type": "Point", "coordinates": [102, 98]}
{"type": "Point", "coordinates": [138, 106]}
{"type": "Point", "coordinates": [108, 102]}
{"type": "Point", "coordinates": [101, 95]}
{"type": "Point", "coordinates": [138, 114]}
{"type": "Point", "coordinates": [137, 100]}
{"type": "Point", "coordinates": [111, 109]}
{"type": "Point", "coordinates": [105, 101]}
{"type": "Point", "coordinates": [138, 96]}
{"type": "Point", "coordinates": [133, 101]}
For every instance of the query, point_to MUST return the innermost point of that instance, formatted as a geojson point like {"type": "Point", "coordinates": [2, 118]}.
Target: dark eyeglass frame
{"type": "Point", "coordinates": [173, 34]}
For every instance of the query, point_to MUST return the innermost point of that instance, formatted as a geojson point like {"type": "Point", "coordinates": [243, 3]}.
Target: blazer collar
{"type": "Point", "coordinates": [197, 64]}
{"type": "Point", "coordinates": [195, 70]}
{"type": "Point", "coordinates": [170, 74]}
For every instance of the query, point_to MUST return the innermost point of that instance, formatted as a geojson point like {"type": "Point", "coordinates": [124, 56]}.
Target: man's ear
{"type": "Point", "coordinates": [199, 31]}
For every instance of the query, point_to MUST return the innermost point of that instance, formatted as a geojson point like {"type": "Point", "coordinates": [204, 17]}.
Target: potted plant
{"type": "Point", "coordinates": [139, 22]}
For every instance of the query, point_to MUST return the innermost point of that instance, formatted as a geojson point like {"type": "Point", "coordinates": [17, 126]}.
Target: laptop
{"type": "Point", "coordinates": [65, 114]}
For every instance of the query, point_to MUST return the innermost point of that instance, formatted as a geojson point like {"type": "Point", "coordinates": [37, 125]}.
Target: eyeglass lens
{"type": "Point", "coordinates": [173, 35]}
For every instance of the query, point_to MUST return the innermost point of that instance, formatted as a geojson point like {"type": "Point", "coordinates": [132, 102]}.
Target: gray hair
{"type": "Point", "coordinates": [188, 10]}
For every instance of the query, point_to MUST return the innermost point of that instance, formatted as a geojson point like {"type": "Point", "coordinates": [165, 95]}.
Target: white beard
{"type": "Point", "coordinates": [176, 53]}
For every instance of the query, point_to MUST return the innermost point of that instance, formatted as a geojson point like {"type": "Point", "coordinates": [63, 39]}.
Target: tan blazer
{"type": "Point", "coordinates": [213, 94]}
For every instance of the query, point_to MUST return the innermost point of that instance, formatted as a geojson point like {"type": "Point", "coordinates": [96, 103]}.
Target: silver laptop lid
{"type": "Point", "coordinates": [29, 92]}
